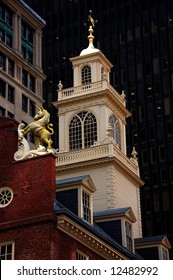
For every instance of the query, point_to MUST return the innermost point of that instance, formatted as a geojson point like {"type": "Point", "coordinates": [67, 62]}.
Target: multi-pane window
{"type": "Point", "coordinates": [165, 254]}
{"type": "Point", "coordinates": [18, 72]}
{"type": "Point", "coordinates": [2, 112]}
{"type": "Point", "coordinates": [10, 94]}
{"type": "Point", "coordinates": [2, 61]}
{"type": "Point", "coordinates": [24, 103]}
{"type": "Point", "coordinates": [128, 236]}
{"type": "Point", "coordinates": [6, 251]}
{"type": "Point", "coordinates": [82, 131]}
{"type": "Point", "coordinates": [6, 25]}
{"type": "Point", "coordinates": [102, 73]}
{"type": "Point", "coordinates": [86, 206]}
{"type": "Point", "coordinates": [11, 67]}
{"type": "Point", "coordinates": [81, 256]}
{"type": "Point", "coordinates": [10, 115]}
{"type": "Point", "coordinates": [113, 122]}
{"type": "Point", "coordinates": [24, 78]}
{"type": "Point", "coordinates": [86, 75]}
{"type": "Point", "coordinates": [32, 83]}
{"type": "Point", "coordinates": [27, 42]}
{"type": "Point", "coordinates": [2, 88]}
{"type": "Point", "coordinates": [32, 108]}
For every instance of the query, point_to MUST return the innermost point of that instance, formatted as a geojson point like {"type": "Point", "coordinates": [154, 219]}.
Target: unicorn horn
{"type": "Point", "coordinates": [37, 107]}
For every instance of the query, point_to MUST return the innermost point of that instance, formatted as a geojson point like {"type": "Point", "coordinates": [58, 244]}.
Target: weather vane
{"type": "Point", "coordinates": [90, 18]}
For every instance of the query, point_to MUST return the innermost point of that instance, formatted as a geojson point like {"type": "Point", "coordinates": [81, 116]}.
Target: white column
{"type": "Point", "coordinates": [61, 132]}
{"type": "Point", "coordinates": [76, 76]}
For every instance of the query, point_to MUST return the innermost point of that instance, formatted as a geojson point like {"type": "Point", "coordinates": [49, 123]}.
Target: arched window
{"type": "Point", "coordinates": [86, 75]}
{"type": "Point", "coordinates": [115, 129]}
{"type": "Point", "coordinates": [82, 131]}
{"type": "Point", "coordinates": [103, 72]}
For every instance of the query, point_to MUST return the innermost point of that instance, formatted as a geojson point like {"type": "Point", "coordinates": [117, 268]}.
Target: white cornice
{"type": "Point", "coordinates": [99, 155]}
{"type": "Point", "coordinates": [88, 239]}
{"type": "Point", "coordinates": [77, 60]}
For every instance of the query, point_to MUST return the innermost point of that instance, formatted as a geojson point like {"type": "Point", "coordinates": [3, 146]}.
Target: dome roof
{"type": "Point", "coordinates": [90, 49]}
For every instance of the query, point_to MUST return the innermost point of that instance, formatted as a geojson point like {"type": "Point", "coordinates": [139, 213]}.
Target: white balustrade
{"type": "Point", "coordinates": [95, 152]}
{"type": "Point", "coordinates": [89, 88]}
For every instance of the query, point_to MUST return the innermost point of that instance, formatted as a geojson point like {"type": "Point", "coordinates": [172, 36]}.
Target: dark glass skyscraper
{"type": "Point", "coordinates": [137, 37]}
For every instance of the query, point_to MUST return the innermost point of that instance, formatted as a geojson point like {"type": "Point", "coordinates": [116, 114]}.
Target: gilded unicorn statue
{"type": "Point", "coordinates": [41, 128]}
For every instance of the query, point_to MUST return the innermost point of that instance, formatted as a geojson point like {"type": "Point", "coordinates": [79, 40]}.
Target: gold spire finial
{"type": "Point", "coordinates": [91, 47]}
{"type": "Point", "coordinates": [92, 25]}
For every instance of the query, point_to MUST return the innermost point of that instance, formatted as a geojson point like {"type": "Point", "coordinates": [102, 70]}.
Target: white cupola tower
{"type": "Point", "coordinates": [92, 134]}
{"type": "Point", "coordinates": [91, 66]}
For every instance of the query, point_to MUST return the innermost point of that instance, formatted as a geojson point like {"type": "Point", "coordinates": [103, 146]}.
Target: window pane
{"type": "Point", "coordinates": [2, 112]}
{"type": "Point", "coordinates": [24, 103]}
{"type": "Point", "coordinates": [2, 88]}
{"type": "Point", "coordinates": [6, 251]}
{"type": "Point", "coordinates": [27, 42]}
{"type": "Point", "coordinates": [75, 133]}
{"type": "Point", "coordinates": [86, 206]}
{"type": "Point", "coordinates": [81, 256]}
{"type": "Point", "coordinates": [24, 78]}
{"type": "Point", "coordinates": [32, 108]}
{"type": "Point", "coordinates": [128, 236]}
{"type": "Point", "coordinates": [11, 94]}
{"type": "Point", "coordinates": [115, 129]}
{"type": "Point", "coordinates": [90, 130]}
{"type": "Point", "coordinates": [82, 131]}
{"type": "Point", "coordinates": [86, 75]}
{"type": "Point", "coordinates": [32, 83]}
{"type": "Point", "coordinates": [11, 68]}
{"type": "Point", "coordinates": [2, 61]}
{"type": "Point", "coordinates": [6, 25]}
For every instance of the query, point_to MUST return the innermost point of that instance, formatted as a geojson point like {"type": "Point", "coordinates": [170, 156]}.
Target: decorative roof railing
{"type": "Point", "coordinates": [89, 88]}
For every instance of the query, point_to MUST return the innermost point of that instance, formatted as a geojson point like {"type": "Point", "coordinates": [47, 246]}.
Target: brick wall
{"type": "Point", "coordinates": [32, 181]}
{"type": "Point", "coordinates": [27, 218]}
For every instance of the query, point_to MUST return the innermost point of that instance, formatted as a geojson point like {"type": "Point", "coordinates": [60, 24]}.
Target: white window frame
{"type": "Point", "coordinates": [5, 256]}
{"type": "Point", "coordinates": [6, 196]}
{"type": "Point", "coordinates": [81, 206]}
{"type": "Point", "coordinates": [86, 77]}
{"type": "Point", "coordinates": [78, 131]}
{"type": "Point", "coordinates": [124, 236]}
{"type": "Point", "coordinates": [161, 257]}
{"type": "Point", "coordinates": [86, 206]}
{"type": "Point", "coordinates": [116, 129]}
{"type": "Point", "coordinates": [81, 256]}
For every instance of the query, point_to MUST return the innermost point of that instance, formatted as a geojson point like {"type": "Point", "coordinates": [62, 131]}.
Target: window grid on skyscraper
{"type": "Point", "coordinates": [6, 25]}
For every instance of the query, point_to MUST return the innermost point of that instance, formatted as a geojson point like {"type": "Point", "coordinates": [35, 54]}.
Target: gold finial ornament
{"type": "Point", "coordinates": [91, 47]}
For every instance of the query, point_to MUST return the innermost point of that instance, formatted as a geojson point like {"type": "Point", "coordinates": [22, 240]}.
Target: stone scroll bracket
{"type": "Point", "coordinates": [24, 152]}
